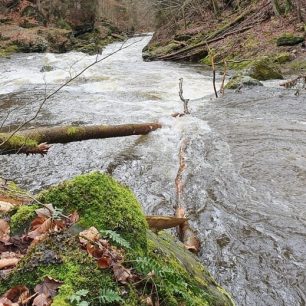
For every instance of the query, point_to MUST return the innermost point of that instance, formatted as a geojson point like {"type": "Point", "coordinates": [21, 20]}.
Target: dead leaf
{"type": "Point", "coordinates": [42, 300]}
{"type": "Point", "coordinates": [148, 301]}
{"type": "Point", "coordinates": [4, 231]}
{"type": "Point", "coordinates": [122, 274]}
{"type": "Point", "coordinates": [92, 234]}
{"type": "Point", "coordinates": [74, 217]}
{"type": "Point", "coordinates": [164, 222]}
{"type": "Point", "coordinates": [104, 262]}
{"type": "Point", "coordinates": [5, 206]}
{"type": "Point", "coordinates": [48, 287]}
{"type": "Point", "coordinates": [18, 294]}
{"type": "Point", "coordinates": [94, 250]}
{"type": "Point", "coordinates": [6, 302]}
{"type": "Point", "coordinates": [37, 222]}
{"type": "Point", "coordinates": [8, 262]}
{"type": "Point", "coordinates": [40, 229]}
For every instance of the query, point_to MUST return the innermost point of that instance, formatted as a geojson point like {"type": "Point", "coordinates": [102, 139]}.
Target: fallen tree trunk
{"type": "Point", "coordinates": [35, 141]}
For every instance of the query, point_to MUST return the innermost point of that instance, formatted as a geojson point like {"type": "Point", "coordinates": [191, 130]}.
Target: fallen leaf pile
{"type": "Point", "coordinates": [42, 296]}
{"type": "Point", "coordinates": [12, 249]}
{"type": "Point", "coordinates": [106, 255]}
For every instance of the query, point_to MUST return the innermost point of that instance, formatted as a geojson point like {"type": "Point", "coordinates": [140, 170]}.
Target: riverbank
{"type": "Point", "coordinates": [26, 28]}
{"type": "Point", "coordinates": [240, 35]}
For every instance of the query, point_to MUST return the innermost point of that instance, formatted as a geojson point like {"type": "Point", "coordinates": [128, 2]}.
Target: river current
{"type": "Point", "coordinates": [244, 186]}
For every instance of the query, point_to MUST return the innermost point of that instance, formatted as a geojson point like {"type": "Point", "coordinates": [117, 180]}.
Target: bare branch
{"type": "Point", "coordinates": [185, 101]}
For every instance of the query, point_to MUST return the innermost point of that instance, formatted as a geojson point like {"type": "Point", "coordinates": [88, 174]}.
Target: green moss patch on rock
{"type": "Point", "coordinates": [289, 40]}
{"type": "Point", "coordinates": [193, 284]}
{"type": "Point", "coordinates": [103, 203]}
{"type": "Point", "coordinates": [240, 80]}
{"type": "Point", "coordinates": [263, 69]}
{"type": "Point", "coordinates": [165, 269]}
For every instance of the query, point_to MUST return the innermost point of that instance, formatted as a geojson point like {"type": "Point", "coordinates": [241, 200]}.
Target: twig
{"type": "Point", "coordinates": [214, 74]}
{"type": "Point", "coordinates": [223, 78]}
{"type": "Point", "coordinates": [185, 101]}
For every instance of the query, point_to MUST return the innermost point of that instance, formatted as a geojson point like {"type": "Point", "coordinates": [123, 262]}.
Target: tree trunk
{"type": "Point", "coordinates": [34, 141]}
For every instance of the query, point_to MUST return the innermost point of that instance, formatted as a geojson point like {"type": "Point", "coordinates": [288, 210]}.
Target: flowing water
{"type": "Point", "coordinates": [244, 187]}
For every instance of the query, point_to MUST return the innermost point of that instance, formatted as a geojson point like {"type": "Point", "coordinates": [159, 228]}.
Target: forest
{"type": "Point", "coordinates": [152, 152]}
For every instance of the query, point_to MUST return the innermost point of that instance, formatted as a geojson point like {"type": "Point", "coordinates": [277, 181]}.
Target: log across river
{"type": "Point", "coordinates": [244, 181]}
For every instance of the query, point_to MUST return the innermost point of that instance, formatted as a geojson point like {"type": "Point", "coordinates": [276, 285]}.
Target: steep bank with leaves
{"type": "Point", "coordinates": [92, 246]}
{"type": "Point", "coordinates": [239, 32]}
{"type": "Point", "coordinates": [57, 26]}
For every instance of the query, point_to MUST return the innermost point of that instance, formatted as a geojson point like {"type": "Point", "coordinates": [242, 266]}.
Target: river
{"type": "Point", "coordinates": [244, 186]}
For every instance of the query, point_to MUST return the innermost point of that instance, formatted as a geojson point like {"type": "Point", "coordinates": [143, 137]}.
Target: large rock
{"type": "Point", "coordinates": [165, 266]}
{"type": "Point", "coordinates": [242, 80]}
{"type": "Point", "coordinates": [263, 70]}
{"type": "Point", "coordinates": [289, 40]}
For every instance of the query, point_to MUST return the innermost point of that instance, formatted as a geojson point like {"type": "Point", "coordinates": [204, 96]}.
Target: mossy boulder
{"type": "Point", "coordinates": [103, 203]}
{"type": "Point", "coordinates": [289, 40]}
{"type": "Point", "coordinates": [175, 274]}
{"type": "Point", "coordinates": [240, 80]}
{"type": "Point", "coordinates": [263, 69]}
{"type": "Point", "coordinates": [38, 44]}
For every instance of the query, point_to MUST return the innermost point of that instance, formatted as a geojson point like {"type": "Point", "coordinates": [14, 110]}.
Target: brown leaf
{"type": "Point", "coordinates": [18, 294]}
{"type": "Point", "coordinates": [74, 217]}
{"type": "Point", "coordinates": [148, 301]}
{"type": "Point", "coordinates": [48, 287]}
{"type": "Point", "coordinates": [37, 222]}
{"type": "Point", "coordinates": [94, 250]}
{"type": "Point", "coordinates": [40, 229]}
{"type": "Point", "coordinates": [8, 262]}
{"type": "Point", "coordinates": [4, 231]}
{"type": "Point", "coordinates": [122, 274]}
{"type": "Point", "coordinates": [6, 302]}
{"type": "Point", "coordinates": [164, 222]}
{"type": "Point", "coordinates": [5, 206]}
{"type": "Point", "coordinates": [91, 234]}
{"type": "Point", "coordinates": [42, 300]}
{"type": "Point", "coordinates": [104, 262]}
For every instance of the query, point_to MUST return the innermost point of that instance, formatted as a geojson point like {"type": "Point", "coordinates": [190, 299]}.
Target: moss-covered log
{"type": "Point", "coordinates": [166, 270]}
{"type": "Point", "coordinates": [28, 141]}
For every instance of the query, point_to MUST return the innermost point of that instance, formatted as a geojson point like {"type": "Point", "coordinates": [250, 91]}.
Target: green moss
{"type": "Point", "coordinates": [238, 64]}
{"type": "Point", "coordinates": [8, 50]}
{"type": "Point", "coordinates": [186, 280]}
{"type": "Point", "coordinates": [16, 142]}
{"type": "Point", "coordinates": [238, 80]}
{"type": "Point", "coordinates": [61, 258]}
{"type": "Point", "coordinates": [72, 130]}
{"type": "Point", "coordinates": [206, 60]}
{"type": "Point", "coordinates": [282, 58]}
{"type": "Point", "coordinates": [264, 69]}
{"type": "Point", "coordinates": [63, 24]}
{"type": "Point", "coordinates": [289, 40]}
{"type": "Point", "coordinates": [22, 217]}
{"type": "Point", "coordinates": [297, 66]}
{"type": "Point", "coordinates": [103, 203]}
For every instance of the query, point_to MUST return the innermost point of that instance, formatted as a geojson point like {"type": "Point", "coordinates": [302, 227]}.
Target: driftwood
{"type": "Point", "coordinates": [186, 233]}
{"type": "Point", "coordinates": [37, 140]}
{"type": "Point", "coordinates": [163, 222]}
